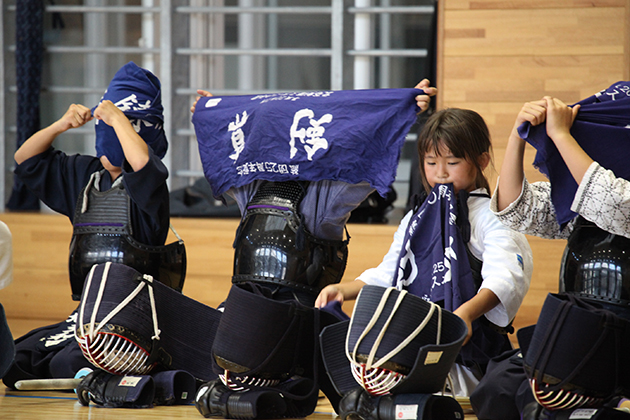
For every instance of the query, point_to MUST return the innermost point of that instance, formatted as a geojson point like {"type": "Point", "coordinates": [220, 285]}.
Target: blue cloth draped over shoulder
{"type": "Point", "coordinates": [601, 128]}
{"type": "Point", "coordinates": [433, 262]}
{"type": "Point", "coordinates": [350, 136]}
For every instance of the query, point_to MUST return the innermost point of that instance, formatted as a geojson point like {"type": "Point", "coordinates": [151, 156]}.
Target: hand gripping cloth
{"type": "Point", "coordinates": [137, 93]}
{"type": "Point", "coordinates": [600, 128]}
{"type": "Point", "coordinates": [578, 354]}
{"type": "Point", "coordinates": [128, 324]}
{"type": "Point", "coordinates": [349, 136]}
{"type": "Point", "coordinates": [394, 343]}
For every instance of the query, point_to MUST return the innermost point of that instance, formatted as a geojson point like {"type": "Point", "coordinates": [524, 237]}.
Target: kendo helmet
{"type": "Point", "coordinates": [596, 267]}
{"type": "Point", "coordinates": [395, 342]}
{"type": "Point", "coordinates": [129, 323]}
{"type": "Point", "coordinates": [577, 354]}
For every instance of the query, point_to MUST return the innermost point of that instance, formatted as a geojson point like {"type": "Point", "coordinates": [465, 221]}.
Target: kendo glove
{"type": "Point", "coordinates": [115, 391]}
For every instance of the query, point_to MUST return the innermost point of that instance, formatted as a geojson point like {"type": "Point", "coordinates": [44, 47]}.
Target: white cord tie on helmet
{"type": "Point", "coordinates": [92, 331]}
{"type": "Point", "coordinates": [375, 379]}
{"type": "Point", "coordinates": [112, 352]}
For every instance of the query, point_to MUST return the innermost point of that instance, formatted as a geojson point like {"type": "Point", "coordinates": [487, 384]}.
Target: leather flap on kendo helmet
{"type": "Point", "coordinates": [262, 337]}
{"type": "Point", "coordinates": [580, 347]}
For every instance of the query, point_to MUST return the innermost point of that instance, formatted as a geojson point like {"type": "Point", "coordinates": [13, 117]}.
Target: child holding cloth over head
{"type": "Point", "coordinates": [581, 150]}
{"type": "Point", "coordinates": [117, 201]}
{"type": "Point", "coordinates": [451, 249]}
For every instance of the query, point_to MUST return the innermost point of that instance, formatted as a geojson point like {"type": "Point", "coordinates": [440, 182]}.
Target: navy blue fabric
{"type": "Point", "coordinates": [47, 352]}
{"type": "Point", "coordinates": [601, 129]}
{"type": "Point", "coordinates": [349, 136]}
{"type": "Point", "coordinates": [433, 263]}
{"type": "Point", "coordinates": [58, 179]}
{"type": "Point", "coordinates": [7, 347]}
{"type": "Point", "coordinates": [137, 93]}
{"type": "Point", "coordinates": [334, 308]}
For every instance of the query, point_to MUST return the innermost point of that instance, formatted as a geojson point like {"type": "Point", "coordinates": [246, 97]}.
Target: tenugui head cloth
{"type": "Point", "coordinates": [601, 128]}
{"type": "Point", "coordinates": [578, 354]}
{"type": "Point", "coordinates": [129, 323]}
{"type": "Point", "coordinates": [434, 235]}
{"type": "Point", "coordinates": [393, 331]}
{"type": "Point", "coordinates": [350, 136]}
{"type": "Point", "coordinates": [137, 93]}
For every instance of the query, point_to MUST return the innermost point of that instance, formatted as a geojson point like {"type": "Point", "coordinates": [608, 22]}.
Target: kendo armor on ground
{"type": "Point", "coordinates": [273, 245]}
{"type": "Point", "coordinates": [129, 324]}
{"type": "Point", "coordinates": [596, 266]}
{"type": "Point", "coordinates": [102, 233]}
{"type": "Point", "coordinates": [577, 354]}
{"type": "Point", "coordinates": [397, 349]}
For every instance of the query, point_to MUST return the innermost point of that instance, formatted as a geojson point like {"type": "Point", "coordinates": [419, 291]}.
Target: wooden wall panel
{"type": "Point", "coordinates": [40, 292]}
{"type": "Point", "coordinates": [494, 55]}
{"type": "Point", "coordinates": [41, 289]}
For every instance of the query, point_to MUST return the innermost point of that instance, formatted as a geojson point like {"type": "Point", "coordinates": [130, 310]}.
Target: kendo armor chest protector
{"type": "Point", "coordinates": [272, 243]}
{"type": "Point", "coordinates": [103, 233]}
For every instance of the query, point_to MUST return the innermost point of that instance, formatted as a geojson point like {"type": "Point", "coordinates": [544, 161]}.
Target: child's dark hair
{"type": "Point", "coordinates": [463, 132]}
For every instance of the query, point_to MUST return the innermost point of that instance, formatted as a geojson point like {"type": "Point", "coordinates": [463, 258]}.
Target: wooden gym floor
{"type": "Point", "coordinates": [40, 295]}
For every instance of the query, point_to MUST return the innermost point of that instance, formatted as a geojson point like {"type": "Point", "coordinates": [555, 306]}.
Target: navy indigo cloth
{"type": "Point", "coordinates": [601, 128]}
{"type": "Point", "coordinates": [434, 265]}
{"type": "Point", "coordinates": [433, 262]}
{"type": "Point", "coordinates": [137, 93]}
{"type": "Point", "coordinates": [349, 136]}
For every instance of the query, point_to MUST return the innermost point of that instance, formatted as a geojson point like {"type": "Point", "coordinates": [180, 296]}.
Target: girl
{"type": "Point", "coordinates": [454, 148]}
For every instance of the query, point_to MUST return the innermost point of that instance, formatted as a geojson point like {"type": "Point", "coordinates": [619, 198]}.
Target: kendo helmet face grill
{"type": "Point", "coordinates": [241, 383]}
{"type": "Point", "coordinates": [379, 375]}
{"type": "Point", "coordinates": [115, 348]}
{"type": "Point", "coordinates": [561, 399]}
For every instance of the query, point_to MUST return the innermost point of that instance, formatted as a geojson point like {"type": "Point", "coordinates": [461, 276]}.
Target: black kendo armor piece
{"type": "Point", "coordinates": [272, 243]}
{"type": "Point", "coordinates": [102, 233]}
{"type": "Point", "coordinates": [596, 266]}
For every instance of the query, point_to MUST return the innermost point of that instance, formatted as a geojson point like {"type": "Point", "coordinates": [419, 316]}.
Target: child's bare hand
{"type": "Point", "coordinates": [533, 112]}
{"type": "Point", "coordinates": [424, 100]}
{"type": "Point", "coordinates": [107, 112]}
{"type": "Point", "coordinates": [560, 117]}
{"type": "Point", "coordinates": [328, 294]}
{"type": "Point", "coordinates": [202, 94]}
{"type": "Point", "coordinates": [468, 322]}
{"type": "Point", "coordinates": [75, 116]}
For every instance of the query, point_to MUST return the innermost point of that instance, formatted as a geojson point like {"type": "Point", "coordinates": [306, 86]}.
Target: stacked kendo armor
{"type": "Point", "coordinates": [577, 357]}
{"type": "Point", "coordinates": [273, 153]}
